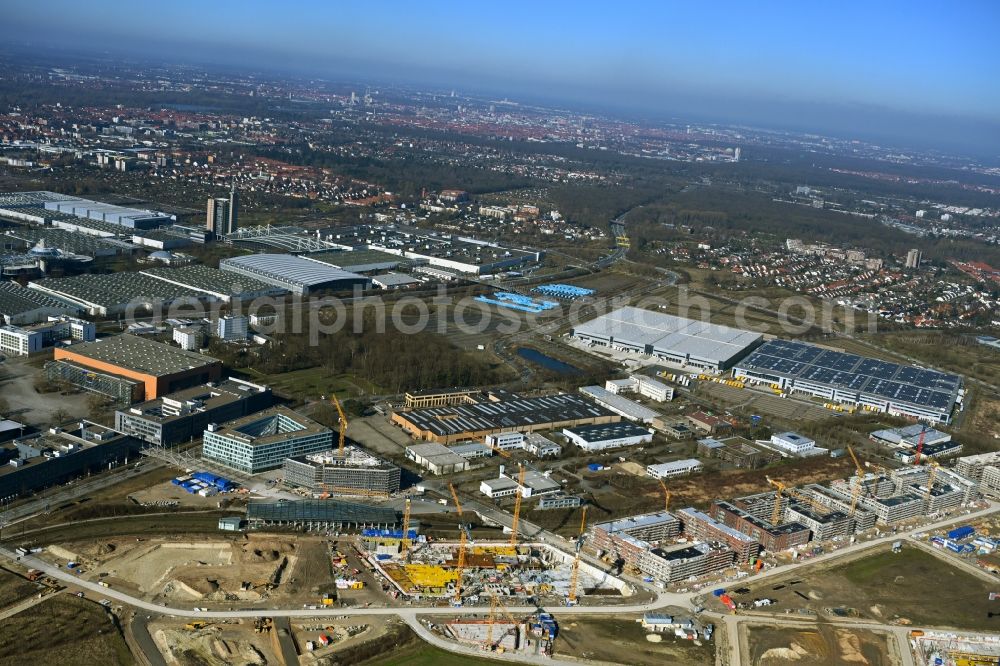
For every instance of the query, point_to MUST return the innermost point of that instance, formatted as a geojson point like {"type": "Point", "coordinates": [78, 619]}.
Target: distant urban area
{"type": "Point", "coordinates": [294, 370]}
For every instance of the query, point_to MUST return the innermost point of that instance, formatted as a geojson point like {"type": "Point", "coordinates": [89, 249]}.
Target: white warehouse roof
{"type": "Point", "coordinates": [289, 270]}
{"type": "Point", "coordinates": [657, 331]}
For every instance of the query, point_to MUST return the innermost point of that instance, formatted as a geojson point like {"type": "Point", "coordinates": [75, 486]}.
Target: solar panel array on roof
{"type": "Point", "coordinates": [903, 383]}
{"type": "Point", "coordinates": [507, 414]}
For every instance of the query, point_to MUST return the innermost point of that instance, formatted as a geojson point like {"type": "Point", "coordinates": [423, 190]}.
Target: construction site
{"type": "Point", "coordinates": [475, 572]}
{"type": "Point", "coordinates": [206, 570]}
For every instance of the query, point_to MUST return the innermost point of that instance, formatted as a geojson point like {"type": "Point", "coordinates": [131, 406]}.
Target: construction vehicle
{"type": "Point", "coordinates": [519, 495]}
{"type": "Point", "coordinates": [194, 626]}
{"type": "Point", "coordinates": [574, 578]}
{"type": "Point", "coordinates": [262, 625]}
{"type": "Point", "coordinates": [464, 536]}
{"type": "Point", "coordinates": [666, 495]}
{"type": "Point", "coordinates": [343, 425]}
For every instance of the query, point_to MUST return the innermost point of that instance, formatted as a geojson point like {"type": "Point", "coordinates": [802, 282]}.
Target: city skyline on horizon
{"type": "Point", "coordinates": [777, 68]}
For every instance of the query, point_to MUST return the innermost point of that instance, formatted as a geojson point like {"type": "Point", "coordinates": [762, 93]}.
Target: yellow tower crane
{"type": "Point", "coordinates": [856, 489]}
{"type": "Point", "coordinates": [666, 495]}
{"type": "Point", "coordinates": [930, 482]}
{"type": "Point", "coordinates": [575, 575]}
{"type": "Point", "coordinates": [517, 505]}
{"type": "Point", "coordinates": [495, 604]}
{"type": "Point", "coordinates": [343, 425]}
{"type": "Point", "coordinates": [779, 488]}
{"type": "Point", "coordinates": [462, 541]}
{"type": "Point", "coordinates": [405, 543]}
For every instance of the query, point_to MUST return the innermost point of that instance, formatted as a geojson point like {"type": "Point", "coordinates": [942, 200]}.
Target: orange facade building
{"type": "Point", "coordinates": [159, 367]}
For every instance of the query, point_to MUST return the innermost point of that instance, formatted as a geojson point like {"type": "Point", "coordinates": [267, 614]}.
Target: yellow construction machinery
{"type": "Point", "coordinates": [666, 496]}
{"type": "Point", "coordinates": [405, 543]}
{"type": "Point", "coordinates": [343, 424]}
{"type": "Point", "coordinates": [194, 626]}
{"type": "Point", "coordinates": [779, 488]}
{"type": "Point", "coordinates": [575, 575]}
{"type": "Point", "coordinates": [462, 543]}
{"type": "Point", "coordinates": [517, 505]}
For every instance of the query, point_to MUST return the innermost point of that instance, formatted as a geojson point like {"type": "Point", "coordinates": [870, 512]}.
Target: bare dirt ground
{"type": "Point", "coordinates": [254, 568]}
{"type": "Point", "coordinates": [622, 640]}
{"type": "Point", "coordinates": [821, 645]}
{"type": "Point", "coordinates": [216, 644]}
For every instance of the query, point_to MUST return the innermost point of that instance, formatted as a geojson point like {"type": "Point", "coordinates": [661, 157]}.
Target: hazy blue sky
{"type": "Point", "coordinates": [882, 64]}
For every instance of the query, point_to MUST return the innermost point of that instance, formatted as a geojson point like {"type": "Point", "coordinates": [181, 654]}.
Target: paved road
{"type": "Point", "coordinates": [411, 614]}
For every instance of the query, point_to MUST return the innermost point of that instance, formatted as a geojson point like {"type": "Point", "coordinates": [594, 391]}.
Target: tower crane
{"type": "Point", "coordinates": [930, 482]}
{"type": "Point", "coordinates": [517, 505]}
{"type": "Point", "coordinates": [495, 603]}
{"type": "Point", "coordinates": [776, 511]}
{"type": "Point", "coordinates": [666, 495]}
{"type": "Point", "coordinates": [856, 490]}
{"type": "Point", "coordinates": [575, 575]}
{"type": "Point", "coordinates": [406, 529]}
{"type": "Point", "coordinates": [343, 425]}
{"type": "Point", "coordinates": [462, 540]}
{"type": "Point", "coordinates": [793, 493]}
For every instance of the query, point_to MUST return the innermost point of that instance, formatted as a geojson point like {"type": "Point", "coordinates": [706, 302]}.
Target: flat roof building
{"type": "Point", "coordinates": [618, 404]}
{"type": "Point", "coordinates": [320, 515]}
{"type": "Point", "coordinates": [476, 420]}
{"type": "Point", "coordinates": [183, 415]}
{"type": "Point", "coordinates": [607, 435]}
{"type": "Point", "coordinates": [437, 458]}
{"type": "Point", "coordinates": [902, 390]}
{"type": "Point", "coordinates": [701, 526]}
{"type": "Point", "coordinates": [297, 274]}
{"type": "Point", "coordinates": [263, 441]}
{"type": "Point", "coordinates": [675, 468]}
{"type": "Point", "coordinates": [684, 561]}
{"type": "Point", "coordinates": [674, 340]}
{"type": "Point", "coordinates": [21, 307]}
{"type": "Point", "coordinates": [159, 367]}
{"type": "Point", "coordinates": [357, 472]}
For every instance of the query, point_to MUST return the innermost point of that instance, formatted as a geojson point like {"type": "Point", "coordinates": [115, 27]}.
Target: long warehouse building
{"type": "Point", "coordinates": [456, 423]}
{"type": "Point", "coordinates": [687, 343]}
{"type": "Point", "coordinates": [901, 390]}
{"type": "Point", "coordinates": [297, 274]}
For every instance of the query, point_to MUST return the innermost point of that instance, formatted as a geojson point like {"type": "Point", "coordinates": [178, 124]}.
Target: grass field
{"type": "Point", "coordinates": [63, 630]}
{"type": "Point", "coordinates": [912, 585]}
{"type": "Point", "coordinates": [14, 588]}
{"type": "Point", "coordinates": [422, 654]}
{"type": "Point", "coordinates": [623, 640]}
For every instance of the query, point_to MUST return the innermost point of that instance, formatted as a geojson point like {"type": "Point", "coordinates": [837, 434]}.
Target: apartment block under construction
{"type": "Point", "coordinates": [356, 472]}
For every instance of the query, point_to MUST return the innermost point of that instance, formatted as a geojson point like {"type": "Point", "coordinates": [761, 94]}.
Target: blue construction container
{"type": "Point", "coordinates": [963, 532]}
{"type": "Point", "coordinates": [595, 467]}
{"type": "Point", "coordinates": [719, 592]}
